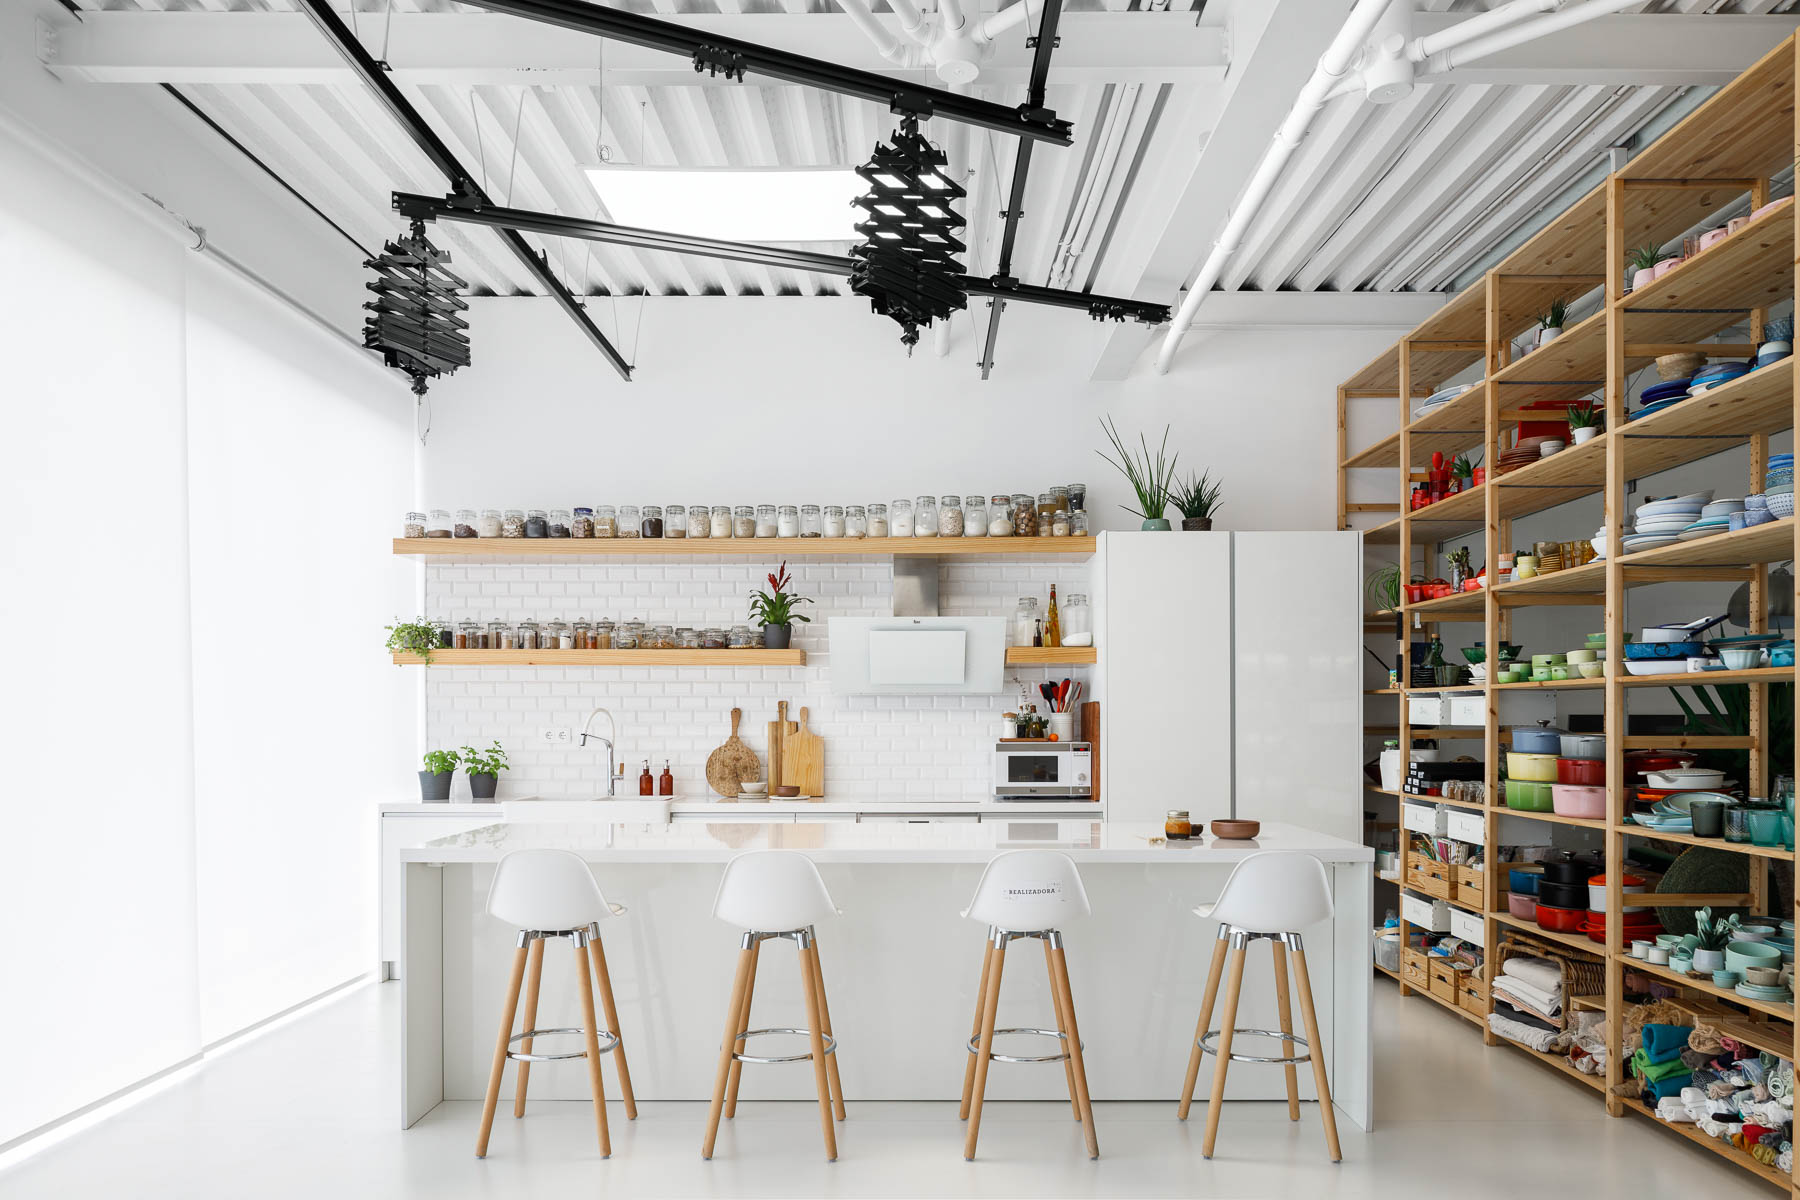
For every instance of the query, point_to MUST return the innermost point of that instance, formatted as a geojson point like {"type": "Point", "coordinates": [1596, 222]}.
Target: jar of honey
{"type": "Point", "coordinates": [1176, 826]}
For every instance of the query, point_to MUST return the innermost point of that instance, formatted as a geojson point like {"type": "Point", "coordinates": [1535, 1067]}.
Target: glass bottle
{"type": "Point", "coordinates": [719, 525]}
{"type": "Point", "coordinates": [975, 516]}
{"type": "Point", "coordinates": [787, 522]}
{"type": "Point", "coordinates": [1052, 621]}
{"type": "Point", "coordinates": [537, 523]}
{"type": "Point", "coordinates": [836, 526]}
{"type": "Point", "coordinates": [743, 521]}
{"type": "Point", "coordinates": [925, 517]}
{"type": "Point", "coordinates": [900, 519]}
{"type": "Point", "coordinates": [1000, 516]}
{"type": "Point", "coordinates": [1077, 621]}
{"type": "Point", "coordinates": [415, 525]}
{"type": "Point", "coordinates": [666, 784]}
{"type": "Point", "coordinates": [856, 521]}
{"type": "Point", "coordinates": [1025, 621]}
{"type": "Point", "coordinates": [878, 520]}
{"type": "Point", "coordinates": [438, 525]}
{"type": "Point", "coordinates": [646, 781]}
{"type": "Point", "coordinates": [950, 516]}
{"type": "Point", "coordinates": [650, 521]}
{"type": "Point", "coordinates": [559, 522]}
{"type": "Point", "coordinates": [674, 521]}
{"type": "Point", "coordinates": [606, 521]}
{"type": "Point", "coordinates": [1435, 657]}
{"type": "Point", "coordinates": [488, 525]}
{"type": "Point", "coordinates": [465, 522]}
{"type": "Point", "coordinates": [581, 524]}
{"type": "Point", "coordinates": [513, 524]}
{"type": "Point", "coordinates": [631, 521]}
{"type": "Point", "coordinates": [766, 526]}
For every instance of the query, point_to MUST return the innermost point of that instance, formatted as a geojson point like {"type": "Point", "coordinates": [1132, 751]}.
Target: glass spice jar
{"type": "Point", "coordinates": [1177, 826]}
{"type": "Point", "coordinates": [602, 636]}
{"type": "Point", "coordinates": [739, 637]}
{"type": "Point", "coordinates": [438, 525]}
{"type": "Point", "coordinates": [1078, 525]}
{"type": "Point", "coordinates": [878, 520]}
{"type": "Point", "coordinates": [446, 635]}
{"type": "Point", "coordinates": [537, 523]}
{"type": "Point", "coordinates": [687, 639]}
{"type": "Point", "coordinates": [1024, 515]}
{"type": "Point", "coordinates": [812, 525]}
{"type": "Point", "coordinates": [713, 639]}
{"type": "Point", "coordinates": [1077, 495]}
{"type": "Point", "coordinates": [925, 517]}
{"type": "Point", "coordinates": [856, 521]}
{"type": "Point", "coordinates": [900, 519]}
{"type": "Point", "coordinates": [1059, 523]}
{"type": "Point", "coordinates": [583, 633]}
{"type": "Point", "coordinates": [502, 636]}
{"type": "Point", "coordinates": [1000, 516]}
{"type": "Point", "coordinates": [975, 516]}
{"type": "Point", "coordinates": [529, 635]}
{"type": "Point", "coordinates": [650, 522]}
{"type": "Point", "coordinates": [559, 522]}
{"type": "Point", "coordinates": [1059, 497]}
{"type": "Point", "coordinates": [415, 525]}
{"type": "Point", "coordinates": [765, 521]}
{"type": "Point", "coordinates": [835, 524]}
{"type": "Point", "coordinates": [513, 524]}
{"type": "Point", "coordinates": [743, 521]}
{"type": "Point", "coordinates": [465, 522]}
{"type": "Point", "coordinates": [559, 636]}
{"type": "Point", "coordinates": [465, 634]}
{"type": "Point", "coordinates": [787, 521]}
{"type": "Point", "coordinates": [488, 525]}
{"type": "Point", "coordinates": [606, 521]}
{"type": "Point", "coordinates": [950, 516]}
{"type": "Point", "coordinates": [675, 521]}
{"type": "Point", "coordinates": [720, 524]}
{"type": "Point", "coordinates": [700, 521]}
{"type": "Point", "coordinates": [630, 521]}
{"type": "Point", "coordinates": [581, 523]}
{"type": "Point", "coordinates": [628, 635]}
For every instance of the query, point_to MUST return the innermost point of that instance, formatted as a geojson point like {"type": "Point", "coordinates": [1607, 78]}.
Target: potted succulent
{"type": "Point", "coordinates": [1584, 422]}
{"type": "Point", "coordinates": [1151, 478]}
{"type": "Point", "coordinates": [1462, 469]}
{"type": "Point", "coordinates": [775, 608]}
{"type": "Point", "coordinates": [484, 768]}
{"type": "Point", "coordinates": [1550, 324]}
{"type": "Point", "coordinates": [1198, 500]}
{"type": "Point", "coordinates": [1711, 939]}
{"type": "Point", "coordinates": [435, 779]}
{"type": "Point", "coordinates": [413, 637]}
{"type": "Point", "coordinates": [1642, 260]}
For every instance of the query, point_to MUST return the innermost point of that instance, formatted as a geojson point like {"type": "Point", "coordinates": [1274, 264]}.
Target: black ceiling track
{"type": "Point", "coordinates": [471, 211]}
{"type": "Point", "coordinates": [734, 58]}
{"type": "Point", "coordinates": [375, 77]}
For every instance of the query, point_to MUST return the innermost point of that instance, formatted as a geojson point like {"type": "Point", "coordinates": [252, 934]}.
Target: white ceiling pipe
{"type": "Point", "coordinates": [886, 44]}
{"type": "Point", "coordinates": [1332, 66]}
{"type": "Point", "coordinates": [1422, 48]}
{"type": "Point", "coordinates": [952, 14]}
{"type": "Point", "coordinates": [1093, 191]}
{"type": "Point", "coordinates": [1506, 39]}
{"type": "Point", "coordinates": [912, 21]}
{"type": "Point", "coordinates": [1004, 20]}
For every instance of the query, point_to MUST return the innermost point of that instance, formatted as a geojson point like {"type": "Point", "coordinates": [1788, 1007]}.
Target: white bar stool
{"type": "Point", "coordinates": [1270, 895]}
{"type": "Point", "coordinates": [1026, 894]}
{"type": "Point", "coordinates": [552, 894]}
{"type": "Point", "coordinates": [775, 894]}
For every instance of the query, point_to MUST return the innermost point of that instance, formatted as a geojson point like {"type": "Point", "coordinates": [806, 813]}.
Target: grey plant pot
{"type": "Point", "coordinates": [776, 637]}
{"type": "Point", "coordinates": [1709, 960]}
{"type": "Point", "coordinates": [1196, 524]}
{"type": "Point", "coordinates": [482, 787]}
{"type": "Point", "coordinates": [1157, 523]}
{"type": "Point", "coordinates": [435, 789]}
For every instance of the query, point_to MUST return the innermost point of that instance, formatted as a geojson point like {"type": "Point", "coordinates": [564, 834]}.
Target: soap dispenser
{"type": "Point", "coordinates": [646, 781]}
{"type": "Point", "coordinates": [666, 785]}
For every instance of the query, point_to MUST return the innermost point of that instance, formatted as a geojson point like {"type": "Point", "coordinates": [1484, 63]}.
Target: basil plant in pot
{"type": "Point", "coordinates": [1711, 939]}
{"type": "Point", "coordinates": [776, 610]}
{"type": "Point", "coordinates": [484, 768]}
{"type": "Point", "coordinates": [1152, 478]}
{"type": "Point", "coordinates": [435, 779]}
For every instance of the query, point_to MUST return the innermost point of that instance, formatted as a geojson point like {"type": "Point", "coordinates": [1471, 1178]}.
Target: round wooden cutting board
{"type": "Point", "coordinates": [732, 763]}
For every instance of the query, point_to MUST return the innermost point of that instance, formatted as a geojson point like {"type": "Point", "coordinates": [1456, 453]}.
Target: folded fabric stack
{"type": "Point", "coordinates": [1657, 1064]}
{"type": "Point", "coordinates": [1733, 1093]}
{"type": "Point", "coordinates": [1533, 986]}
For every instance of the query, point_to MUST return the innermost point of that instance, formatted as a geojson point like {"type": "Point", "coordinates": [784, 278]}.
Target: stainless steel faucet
{"type": "Point", "coordinates": [613, 773]}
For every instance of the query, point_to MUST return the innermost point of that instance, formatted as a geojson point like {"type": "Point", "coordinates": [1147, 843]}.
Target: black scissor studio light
{"type": "Point", "coordinates": [908, 267]}
{"type": "Point", "coordinates": [412, 321]}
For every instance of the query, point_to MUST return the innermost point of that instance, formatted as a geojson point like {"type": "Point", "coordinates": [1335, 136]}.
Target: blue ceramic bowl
{"type": "Point", "coordinates": [1524, 882]}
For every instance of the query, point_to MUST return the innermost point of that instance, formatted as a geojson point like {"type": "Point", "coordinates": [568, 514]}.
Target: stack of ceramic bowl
{"type": "Point", "coordinates": [1743, 653]}
{"type": "Point", "coordinates": [1715, 517]}
{"type": "Point", "coordinates": [1659, 396]}
{"type": "Point", "coordinates": [1778, 485]}
{"type": "Point", "coordinates": [1714, 376]}
{"type": "Point", "coordinates": [1522, 455]}
{"type": "Point", "coordinates": [1661, 522]}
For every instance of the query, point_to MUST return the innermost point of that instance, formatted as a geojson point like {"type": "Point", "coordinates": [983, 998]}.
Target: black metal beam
{"type": "Point", "coordinates": [426, 139]}
{"type": "Point", "coordinates": [472, 211]}
{"type": "Point", "coordinates": [1015, 204]}
{"type": "Point", "coordinates": [1031, 121]}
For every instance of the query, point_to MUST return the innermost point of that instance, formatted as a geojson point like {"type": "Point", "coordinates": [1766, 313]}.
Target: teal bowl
{"type": "Point", "coordinates": [1741, 956]}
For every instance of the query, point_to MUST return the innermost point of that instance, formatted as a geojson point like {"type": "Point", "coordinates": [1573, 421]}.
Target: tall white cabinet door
{"type": "Point", "coordinates": [1298, 642]}
{"type": "Point", "coordinates": [1164, 639]}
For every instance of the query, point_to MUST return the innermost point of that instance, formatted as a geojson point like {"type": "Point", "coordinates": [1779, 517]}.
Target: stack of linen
{"type": "Point", "coordinates": [1658, 1064]}
{"type": "Point", "coordinates": [1533, 987]}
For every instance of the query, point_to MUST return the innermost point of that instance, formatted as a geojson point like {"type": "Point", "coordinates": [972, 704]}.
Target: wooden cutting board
{"type": "Point", "coordinates": [732, 763]}
{"type": "Point", "coordinates": [778, 731]}
{"type": "Point", "coordinates": [803, 759]}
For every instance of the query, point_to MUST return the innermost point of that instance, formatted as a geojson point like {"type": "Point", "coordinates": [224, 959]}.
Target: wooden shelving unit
{"type": "Point", "coordinates": [1721, 155]}
{"type": "Point", "coordinates": [606, 658]}
{"type": "Point", "coordinates": [768, 548]}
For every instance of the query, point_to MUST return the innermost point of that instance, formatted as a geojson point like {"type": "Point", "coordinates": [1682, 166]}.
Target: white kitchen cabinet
{"type": "Point", "coordinates": [404, 826]}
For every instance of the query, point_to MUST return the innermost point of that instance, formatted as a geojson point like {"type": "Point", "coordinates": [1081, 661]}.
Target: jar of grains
{"type": "Point", "coordinates": [834, 521]}
{"type": "Point", "coordinates": [487, 525]}
{"type": "Point", "coordinates": [900, 519]}
{"type": "Point", "coordinates": [743, 521]}
{"type": "Point", "coordinates": [765, 521]}
{"type": "Point", "coordinates": [559, 522]}
{"type": "Point", "coordinates": [629, 521]}
{"type": "Point", "coordinates": [974, 516]}
{"type": "Point", "coordinates": [700, 521]}
{"type": "Point", "coordinates": [812, 525]}
{"type": "Point", "coordinates": [878, 520]}
{"type": "Point", "coordinates": [627, 635]}
{"type": "Point", "coordinates": [1046, 507]}
{"type": "Point", "coordinates": [606, 521]}
{"type": "Point", "coordinates": [560, 637]}
{"type": "Point", "coordinates": [465, 634]}
{"type": "Point", "coordinates": [1059, 496]}
{"type": "Point", "coordinates": [1000, 516]}
{"type": "Point", "coordinates": [581, 523]}
{"type": "Point", "coordinates": [502, 636]}
{"type": "Point", "coordinates": [739, 637]}
{"type": "Point", "coordinates": [465, 522]}
{"type": "Point", "coordinates": [584, 634]}
{"type": "Point", "coordinates": [1078, 523]}
{"type": "Point", "coordinates": [661, 638]}
{"type": "Point", "coordinates": [856, 521]}
{"type": "Point", "coordinates": [720, 524]}
{"type": "Point", "coordinates": [675, 520]}
{"type": "Point", "coordinates": [787, 521]}
{"type": "Point", "coordinates": [713, 639]}
{"type": "Point", "coordinates": [528, 635]}
{"type": "Point", "coordinates": [1059, 523]}
{"type": "Point", "coordinates": [1024, 515]}
{"type": "Point", "coordinates": [650, 521]}
{"type": "Point", "coordinates": [438, 525]}
{"type": "Point", "coordinates": [687, 639]}
{"type": "Point", "coordinates": [925, 517]}
{"type": "Point", "coordinates": [415, 525]}
{"type": "Point", "coordinates": [602, 637]}
{"type": "Point", "coordinates": [950, 516]}
{"type": "Point", "coordinates": [537, 523]}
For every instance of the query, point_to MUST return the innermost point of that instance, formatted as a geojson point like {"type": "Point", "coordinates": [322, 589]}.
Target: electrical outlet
{"type": "Point", "coordinates": [556, 735]}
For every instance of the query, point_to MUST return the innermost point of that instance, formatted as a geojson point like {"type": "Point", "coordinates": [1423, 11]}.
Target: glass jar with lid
{"type": "Point", "coordinates": [537, 523]}
{"type": "Point", "coordinates": [1059, 496]}
{"type": "Point", "coordinates": [478, 636]}
{"type": "Point", "coordinates": [602, 636]}
{"type": "Point", "coordinates": [1060, 524]}
{"type": "Point", "coordinates": [465, 636]}
{"type": "Point", "coordinates": [529, 636]}
{"type": "Point", "coordinates": [627, 635]}
{"type": "Point", "coordinates": [900, 519]}
{"type": "Point", "coordinates": [1077, 619]}
{"type": "Point", "coordinates": [563, 634]}
{"type": "Point", "coordinates": [700, 521]}
{"type": "Point", "coordinates": [415, 525]}
{"type": "Point", "coordinates": [502, 636]}
{"type": "Point", "coordinates": [465, 522]}
{"type": "Point", "coordinates": [856, 521]}
{"type": "Point", "coordinates": [662, 637]}
{"type": "Point", "coordinates": [1046, 505]}
{"type": "Point", "coordinates": [925, 516]}
{"type": "Point", "coordinates": [581, 523]}
{"type": "Point", "coordinates": [650, 521]}
{"type": "Point", "coordinates": [950, 516]}
{"type": "Point", "coordinates": [1024, 515]}
{"type": "Point", "coordinates": [606, 521]}
{"type": "Point", "coordinates": [446, 635]}
{"type": "Point", "coordinates": [1000, 516]}
{"type": "Point", "coordinates": [975, 516]}
{"type": "Point", "coordinates": [765, 521]}
{"type": "Point", "coordinates": [743, 521]}
{"type": "Point", "coordinates": [487, 524]}
{"type": "Point", "coordinates": [836, 524]}
{"type": "Point", "coordinates": [438, 524]}
{"type": "Point", "coordinates": [559, 522]}
{"type": "Point", "coordinates": [512, 524]}
{"type": "Point", "coordinates": [1025, 619]}
{"type": "Point", "coordinates": [687, 639]}
{"type": "Point", "coordinates": [719, 525]}
{"type": "Point", "coordinates": [787, 521]}
{"type": "Point", "coordinates": [878, 520]}
{"type": "Point", "coordinates": [1077, 495]}
{"type": "Point", "coordinates": [675, 521]}
{"type": "Point", "coordinates": [739, 637]}
{"type": "Point", "coordinates": [812, 524]}
{"type": "Point", "coordinates": [583, 632]}
{"type": "Point", "coordinates": [630, 521]}
{"type": "Point", "coordinates": [1078, 523]}
{"type": "Point", "coordinates": [713, 639]}
{"type": "Point", "coordinates": [1177, 826]}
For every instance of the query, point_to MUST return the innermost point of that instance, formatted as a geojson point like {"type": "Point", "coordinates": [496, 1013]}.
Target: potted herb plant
{"type": "Point", "coordinates": [1642, 260]}
{"type": "Point", "coordinates": [435, 779]}
{"type": "Point", "coordinates": [1584, 422]}
{"type": "Point", "coordinates": [413, 637]}
{"type": "Point", "coordinates": [1151, 478]}
{"type": "Point", "coordinates": [1198, 500]}
{"type": "Point", "coordinates": [484, 767]}
{"type": "Point", "coordinates": [1550, 324]}
{"type": "Point", "coordinates": [776, 609]}
{"type": "Point", "coordinates": [1713, 937]}
{"type": "Point", "coordinates": [1462, 469]}
{"type": "Point", "coordinates": [1383, 588]}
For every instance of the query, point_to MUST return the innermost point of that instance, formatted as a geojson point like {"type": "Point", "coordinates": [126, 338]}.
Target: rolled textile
{"type": "Point", "coordinates": [1671, 1108]}
{"type": "Point", "coordinates": [1706, 1038]}
{"type": "Point", "coordinates": [1663, 1043]}
{"type": "Point", "coordinates": [1670, 1086]}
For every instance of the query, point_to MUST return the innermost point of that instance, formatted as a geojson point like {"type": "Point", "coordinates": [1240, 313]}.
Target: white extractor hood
{"type": "Point", "coordinates": [918, 656]}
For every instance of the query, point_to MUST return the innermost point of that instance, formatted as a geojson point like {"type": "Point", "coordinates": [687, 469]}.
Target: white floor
{"type": "Point", "coordinates": [309, 1110]}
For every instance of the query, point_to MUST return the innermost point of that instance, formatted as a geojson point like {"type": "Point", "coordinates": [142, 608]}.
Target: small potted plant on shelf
{"type": "Point", "coordinates": [1151, 478]}
{"type": "Point", "coordinates": [1584, 422]}
{"type": "Point", "coordinates": [1462, 469]}
{"type": "Point", "coordinates": [1198, 500]}
{"type": "Point", "coordinates": [1383, 588]}
{"type": "Point", "coordinates": [484, 767]}
{"type": "Point", "coordinates": [1714, 937]}
{"type": "Point", "coordinates": [1550, 324]}
{"type": "Point", "coordinates": [1643, 260]}
{"type": "Point", "coordinates": [776, 607]}
{"type": "Point", "coordinates": [435, 779]}
{"type": "Point", "coordinates": [413, 637]}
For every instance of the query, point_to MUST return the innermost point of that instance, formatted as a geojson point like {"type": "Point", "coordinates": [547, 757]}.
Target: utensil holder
{"type": "Point", "coordinates": [1062, 724]}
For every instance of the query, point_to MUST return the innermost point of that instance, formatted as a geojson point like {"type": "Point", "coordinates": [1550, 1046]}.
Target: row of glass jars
{"type": "Point", "coordinates": [592, 635]}
{"type": "Point", "coordinates": [1052, 514]}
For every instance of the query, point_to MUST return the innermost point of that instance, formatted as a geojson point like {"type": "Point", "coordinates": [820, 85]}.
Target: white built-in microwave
{"type": "Point", "coordinates": [1043, 770]}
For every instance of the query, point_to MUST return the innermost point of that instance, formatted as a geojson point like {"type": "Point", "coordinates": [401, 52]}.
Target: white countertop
{"type": "Point", "coordinates": [845, 842]}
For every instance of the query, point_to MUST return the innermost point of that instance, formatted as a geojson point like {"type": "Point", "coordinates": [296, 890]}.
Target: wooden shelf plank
{"type": "Point", "coordinates": [1709, 988]}
{"type": "Point", "coordinates": [1744, 130]}
{"type": "Point", "coordinates": [1680, 679]}
{"type": "Point", "coordinates": [1458, 604]}
{"type": "Point", "coordinates": [1725, 1150]}
{"type": "Point", "coordinates": [1385, 453]}
{"type": "Point", "coordinates": [1557, 1062]}
{"type": "Point", "coordinates": [1385, 534]}
{"type": "Point", "coordinates": [1051, 656]}
{"type": "Point", "coordinates": [1775, 852]}
{"type": "Point", "coordinates": [1754, 267]}
{"type": "Point", "coordinates": [1574, 941]}
{"type": "Point", "coordinates": [1565, 370]}
{"type": "Point", "coordinates": [1717, 420]}
{"type": "Point", "coordinates": [607, 658]}
{"type": "Point", "coordinates": [1567, 475]}
{"type": "Point", "coordinates": [1553, 818]}
{"type": "Point", "coordinates": [766, 548]}
{"type": "Point", "coordinates": [1450, 428]}
{"type": "Point", "coordinates": [1766, 543]}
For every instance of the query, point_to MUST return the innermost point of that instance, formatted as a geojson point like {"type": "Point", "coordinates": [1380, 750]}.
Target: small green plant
{"type": "Point", "coordinates": [1383, 587]}
{"type": "Point", "coordinates": [1713, 935]}
{"type": "Point", "coordinates": [491, 761]}
{"type": "Point", "coordinates": [1197, 497]}
{"type": "Point", "coordinates": [1643, 258]}
{"type": "Point", "coordinates": [778, 605]}
{"type": "Point", "coordinates": [413, 637]}
{"type": "Point", "coordinates": [1554, 318]}
{"type": "Point", "coordinates": [441, 762]}
{"type": "Point", "coordinates": [1584, 416]}
{"type": "Point", "coordinates": [1463, 467]}
{"type": "Point", "coordinates": [1150, 478]}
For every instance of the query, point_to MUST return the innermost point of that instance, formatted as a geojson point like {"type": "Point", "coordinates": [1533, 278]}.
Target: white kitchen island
{"type": "Point", "coordinates": [901, 964]}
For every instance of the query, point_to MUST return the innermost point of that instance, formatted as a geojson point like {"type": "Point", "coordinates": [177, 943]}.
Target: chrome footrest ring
{"type": "Point", "coordinates": [607, 1040]}
{"type": "Point", "coordinates": [975, 1047]}
{"type": "Point", "coordinates": [830, 1046]}
{"type": "Point", "coordinates": [1252, 1058]}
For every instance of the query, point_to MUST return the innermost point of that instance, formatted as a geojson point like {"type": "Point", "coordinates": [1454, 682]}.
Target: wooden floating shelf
{"type": "Point", "coordinates": [1699, 1137]}
{"type": "Point", "coordinates": [1385, 453]}
{"type": "Point", "coordinates": [1385, 534]}
{"type": "Point", "coordinates": [765, 548]}
{"type": "Point", "coordinates": [1778, 853]}
{"type": "Point", "coordinates": [1754, 266]}
{"type": "Point", "coordinates": [1051, 656]}
{"type": "Point", "coordinates": [607, 658]}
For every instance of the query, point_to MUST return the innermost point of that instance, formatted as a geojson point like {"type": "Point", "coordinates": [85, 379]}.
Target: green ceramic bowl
{"type": "Point", "coordinates": [1740, 956]}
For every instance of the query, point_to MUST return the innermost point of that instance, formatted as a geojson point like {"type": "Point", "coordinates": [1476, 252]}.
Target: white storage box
{"type": "Point", "coordinates": [1468, 709]}
{"type": "Point", "coordinates": [1428, 710]}
{"type": "Point", "coordinates": [1468, 927]}
{"type": "Point", "coordinates": [1433, 915]}
{"type": "Point", "coordinates": [1465, 826]}
{"type": "Point", "coordinates": [1424, 818]}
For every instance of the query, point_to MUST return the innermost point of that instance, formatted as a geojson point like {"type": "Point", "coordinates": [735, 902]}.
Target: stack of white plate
{"type": "Point", "coordinates": [1714, 518]}
{"type": "Point", "coordinates": [1662, 522]}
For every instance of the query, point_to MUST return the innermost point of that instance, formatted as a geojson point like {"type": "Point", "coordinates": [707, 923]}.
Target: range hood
{"type": "Point", "coordinates": [918, 656]}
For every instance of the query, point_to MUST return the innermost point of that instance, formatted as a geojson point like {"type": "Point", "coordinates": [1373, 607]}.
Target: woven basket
{"type": "Point", "coordinates": [1581, 975]}
{"type": "Point", "coordinates": [1679, 366]}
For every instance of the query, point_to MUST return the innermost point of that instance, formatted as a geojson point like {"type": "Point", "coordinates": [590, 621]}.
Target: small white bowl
{"type": "Point", "coordinates": [1546, 449]}
{"type": "Point", "coordinates": [759, 788]}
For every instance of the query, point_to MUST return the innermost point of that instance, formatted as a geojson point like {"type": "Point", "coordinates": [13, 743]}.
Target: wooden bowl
{"type": "Point", "coordinates": [787, 789]}
{"type": "Point", "coordinates": [1236, 830]}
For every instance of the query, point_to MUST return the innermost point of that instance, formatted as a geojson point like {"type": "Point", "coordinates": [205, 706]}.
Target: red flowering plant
{"type": "Point", "coordinates": [777, 605]}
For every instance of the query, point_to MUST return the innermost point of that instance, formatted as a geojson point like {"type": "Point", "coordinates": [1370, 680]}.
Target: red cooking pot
{"type": "Point", "coordinates": [1588, 772]}
{"type": "Point", "coordinates": [1641, 762]}
{"type": "Point", "coordinates": [1561, 920]}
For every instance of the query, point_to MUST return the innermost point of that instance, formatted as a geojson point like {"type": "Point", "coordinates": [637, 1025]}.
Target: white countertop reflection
{"type": "Point", "coordinates": [846, 842]}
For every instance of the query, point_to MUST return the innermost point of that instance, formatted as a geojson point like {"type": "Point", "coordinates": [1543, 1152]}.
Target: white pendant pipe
{"type": "Point", "coordinates": [952, 14]}
{"type": "Point", "coordinates": [997, 24]}
{"type": "Point", "coordinates": [1506, 39]}
{"type": "Point", "coordinates": [886, 44]}
{"type": "Point", "coordinates": [912, 21]}
{"type": "Point", "coordinates": [1499, 17]}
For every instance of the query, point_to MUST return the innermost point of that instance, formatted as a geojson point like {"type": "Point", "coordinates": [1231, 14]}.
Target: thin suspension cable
{"type": "Point", "coordinates": [512, 171]}
{"type": "Point", "coordinates": [480, 149]}
{"type": "Point", "coordinates": [387, 29]}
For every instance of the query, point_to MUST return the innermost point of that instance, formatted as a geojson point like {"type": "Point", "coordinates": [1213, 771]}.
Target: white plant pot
{"type": "Point", "coordinates": [1642, 276]}
{"type": "Point", "coordinates": [1546, 336]}
{"type": "Point", "coordinates": [1709, 960]}
{"type": "Point", "coordinates": [1585, 433]}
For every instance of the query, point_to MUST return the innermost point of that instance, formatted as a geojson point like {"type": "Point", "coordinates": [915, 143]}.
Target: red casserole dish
{"type": "Point", "coordinates": [1586, 772]}
{"type": "Point", "coordinates": [1561, 920]}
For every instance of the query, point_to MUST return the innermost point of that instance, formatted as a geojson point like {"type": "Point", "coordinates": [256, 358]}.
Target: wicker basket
{"type": "Point", "coordinates": [1581, 975]}
{"type": "Point", "coordinates": [1680, 365]}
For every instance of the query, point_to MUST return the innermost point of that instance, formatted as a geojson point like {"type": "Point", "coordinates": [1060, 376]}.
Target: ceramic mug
{"type": "Point", "coordinates": [1640, 949]}
{"type": "Point", "coordinates": [1658, 956]}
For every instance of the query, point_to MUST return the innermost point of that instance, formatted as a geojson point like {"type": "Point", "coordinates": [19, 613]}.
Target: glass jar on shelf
{"type": "Point", "coordinates": [583, 634]}
{"type": "Point", "coordinates": [415, 525]}
{"type": "Point", "coordinates": [1024, 515]}
{"type": "Point", "coordinates": [1077, 620]}
{"type": "Point", "coordinates": [606, 521]}
{"type": "Point", "coordinates": [1059, 523]}
{"type": "Point", "coordinates": [478, 636]}
{"type": "Point", "coordinates": [560, 520]}
{"type": "Point", "coordinates": [446, 635]}
{"type": "Point", "coordinates": [465, 523]}
{"type": "Point", "coordinates": [500, 636]}
{"type": "Point", "coordinates": [713, 639]}
{"type": "Point", "coordinates": [488, 524]}
{"type": "Point", "coordinates": [465, 636]}
{"type": "Point", "coordinates": [650, 521]}
{"type": "Point", "coordinates": [1025, 619]}
{"type": "Point", "coordinates": [1077, 495]}
{"type": "Point", "coordinates": [856, 521]}
{"type": "Point", "coordinates": [975, 516]}
{"type": "Point", "coordinates": [1046, 509]}
{"type": "Point", "coordinates": [687, 639]}
{"type": "Point", "coordinates": [627, 635]}
{"type": "Point", "coordinates": [602, 636]}
{"type": "Point", "coordinates": [836, 525]}
{"type": "Point", "coordinates": [630, 521]}
{"type": "Point", "coordinates": [560, 636]}
{"type": "Point", "coordinates": [787, 521]}
{"type": "Point", "coordinates": [812, 523]}
{"type": "Point", "coordinates": [438, 524]}
{"type": "Point", "coordinates": [878, 521]}
{"type": "Point", "coordinates": [1059, 498]}
{"type": "Point", "coordinates": [739, 637]}
{"type": "Point", "coordinates": [765, 521]}
{"type": "Point", "coordinates": [529, 635]}
{"type": "Point", "coordinates": [719, 525]}
{"type": "Point", "coordinates": [950, 516]}
{"type": "Point", "coordinates": [699, 523]}
{"type": "Point", "coordinates": [662, 637]}
{"type": "Point", "coordinates": [925, 517]}
{"type": "Point", "coordinates": [675, 521]}
{"type": "Point", "coordinates": [537, 523]}
{"type": "Point", "coordinates": [999, 520]}
{"type": "Point", "coordinates": [900, 519]}
{"type": "Point", "coordinates": [1078, 523]}
{"type": "Point", "coordinates": [512, 525]}
{"type": "Point", "coordinates": [743, 521]}
{"type": "Point", "coordinates": [581, 523]}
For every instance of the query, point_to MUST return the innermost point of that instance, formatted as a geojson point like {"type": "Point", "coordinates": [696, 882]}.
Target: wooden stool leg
{"type": "Point", "coordinates": [727, 1041]}
{"type": "Point", "coordinates": [831, 1060]}
{"type": "Point", "coordinates": [1287, 1026]}
{"type": "Point", "coordinates": [1315, 1048]}
{"type": "Point", "coordinates": [1223, 1058]}
{"type": "Point", "coordinates": [597, 954]}
{"type": "Point", "coordinates": [809, 986]}
{"type": "Point", "coordinates": [534, 976]}
{"type": "Point", "coordinates": [1061, 976]}
{"type": "Point", "coordinates": [743, 1026]}
{"type": "Point", "coordinates": [509, 1010]}
{"type": "Point", "coordinates": [1206, 1010]}
{"type": "Point", "coordinates": [591, 1024]}
{"type": "Point", "coordinates": [1062, 1027]}
{"type": "Point", "coordinates": [990, 996]}
{"type": "Point", "coordinates": [987, 961]}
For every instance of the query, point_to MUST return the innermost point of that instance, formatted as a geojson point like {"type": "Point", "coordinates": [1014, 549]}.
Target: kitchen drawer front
{"type": "Point", "coordinates": [1472, 993]}
{"type": "Point", "coordinates": [1468, 927]}
{"type": "Point", "coordinates": [1465, 826]}
{"type": "Point", "coordinates": [1428, 875]}
{"type": "Point", "coordinates": [1471, 887]}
